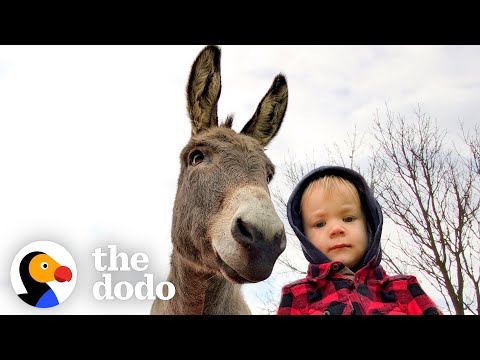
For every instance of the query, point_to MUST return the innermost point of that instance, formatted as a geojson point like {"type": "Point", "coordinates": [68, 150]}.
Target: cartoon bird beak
{"type": "Point", "coordinates": [62, 274]}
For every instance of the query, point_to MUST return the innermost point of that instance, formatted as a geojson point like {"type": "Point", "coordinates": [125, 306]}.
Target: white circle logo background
{"type": "Point", "coordinates": [57, 252]}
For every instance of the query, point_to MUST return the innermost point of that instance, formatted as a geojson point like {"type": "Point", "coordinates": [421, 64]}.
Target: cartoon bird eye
{"type": "Point", "coordinates": [44, 265]}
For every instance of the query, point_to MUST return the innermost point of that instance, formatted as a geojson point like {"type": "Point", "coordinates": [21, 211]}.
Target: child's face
{"type": "Point", "coordinates": [335, 224]}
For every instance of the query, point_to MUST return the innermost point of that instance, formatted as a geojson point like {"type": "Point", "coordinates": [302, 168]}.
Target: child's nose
{"type": "Point", "coordinates": [337, 229]}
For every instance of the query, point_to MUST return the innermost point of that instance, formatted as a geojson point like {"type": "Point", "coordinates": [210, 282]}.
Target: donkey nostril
{"type": "Point", "coordinates": [243, 228]}
{"type": "Point", "coordinates": [243, 233]}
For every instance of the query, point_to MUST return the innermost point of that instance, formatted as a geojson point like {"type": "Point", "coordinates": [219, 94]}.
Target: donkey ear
{"type": "Point", "coordinates": [268, 117]}
{"type": "Point", "coordinates": [203, 89]}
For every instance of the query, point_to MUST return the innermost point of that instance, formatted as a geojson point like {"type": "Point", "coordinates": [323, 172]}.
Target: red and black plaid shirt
{"type": "Point", "coordinates": [370, 291]}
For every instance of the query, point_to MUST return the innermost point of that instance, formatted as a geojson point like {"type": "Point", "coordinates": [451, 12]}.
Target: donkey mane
{"type": "Point", "coordinates": [225, 230]}
{"type": "Point", "coordinates": [228, 122]}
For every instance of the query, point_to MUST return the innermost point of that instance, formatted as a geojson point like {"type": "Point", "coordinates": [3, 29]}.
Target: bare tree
{"type": "Point", "coordinates": [431, 194]}
{"type": "Point", "coordinates": [293, 171]}
{"type": "Point", "coordinates": [352, 146]}
{"type": "Point", "coordinates": [472, 139]}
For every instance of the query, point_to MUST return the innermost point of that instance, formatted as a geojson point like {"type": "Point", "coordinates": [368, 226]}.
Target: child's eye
{"type": "Point", "coordinates": [319, 224]}
{"type": "Point", "coordinates": [348, 219]}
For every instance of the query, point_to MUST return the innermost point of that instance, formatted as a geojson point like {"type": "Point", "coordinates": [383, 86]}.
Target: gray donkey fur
{"type": "Point", "coordinates": [225, 230]}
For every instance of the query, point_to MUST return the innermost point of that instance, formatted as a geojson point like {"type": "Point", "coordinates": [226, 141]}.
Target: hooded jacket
{"type": "Point", "coordinates": [370, 207]}
{"type": "Point", "coordinates": [365, 289]}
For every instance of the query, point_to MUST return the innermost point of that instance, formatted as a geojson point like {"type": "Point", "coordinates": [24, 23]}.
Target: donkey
{"type": "Point", "coordinates": [225, 230]}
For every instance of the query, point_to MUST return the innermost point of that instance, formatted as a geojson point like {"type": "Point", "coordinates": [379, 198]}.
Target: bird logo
{"type": "Point", "coordinates": [43, 273]}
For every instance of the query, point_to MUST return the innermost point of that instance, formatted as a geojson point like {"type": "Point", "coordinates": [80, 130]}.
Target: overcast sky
{"type": "Point", "coordinates": [90, 136]}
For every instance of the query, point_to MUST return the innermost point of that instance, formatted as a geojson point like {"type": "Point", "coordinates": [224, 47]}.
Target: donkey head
{"type": "Point", "coordinates": [223, 219]}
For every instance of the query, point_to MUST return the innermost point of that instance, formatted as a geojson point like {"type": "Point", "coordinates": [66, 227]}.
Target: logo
{"type": "Point", "coordinates": [43, 274]}
{"type": "Point", "coordinates": [124, 290]}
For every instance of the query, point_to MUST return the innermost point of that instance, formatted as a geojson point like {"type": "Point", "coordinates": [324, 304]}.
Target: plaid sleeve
{"type": "Point", "coordinates": [293, 300]}
{"type": "Point", "coordinates": [286, 301]}
{"type": "Point", "coordinates": [419, 302]}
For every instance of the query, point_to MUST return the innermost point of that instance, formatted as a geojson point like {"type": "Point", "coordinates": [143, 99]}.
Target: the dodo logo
{"type": "Point", "coordinates": [43, 274]}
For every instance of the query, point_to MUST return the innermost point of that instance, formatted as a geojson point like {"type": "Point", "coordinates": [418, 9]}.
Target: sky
{"type": "Point", "coordinates": [90, 138]}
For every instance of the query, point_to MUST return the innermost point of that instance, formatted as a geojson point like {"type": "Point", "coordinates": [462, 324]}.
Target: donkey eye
{"type": "Point", "coordinates": [196, 157]}
{"type": "Point", "coordinates": [269, 178]}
